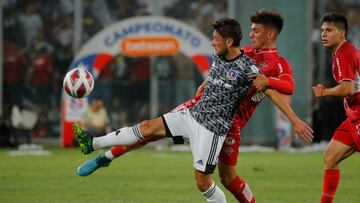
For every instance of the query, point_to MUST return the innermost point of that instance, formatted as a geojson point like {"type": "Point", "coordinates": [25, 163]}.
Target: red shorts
{"type": "Point", "coordinates": [349, 133]}
{"type": "Point", "coordinates": [230, 150]}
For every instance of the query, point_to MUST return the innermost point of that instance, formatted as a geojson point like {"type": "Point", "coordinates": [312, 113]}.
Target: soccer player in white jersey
{"type": "Point", "coordinates": [207, 122]}
{"type": "Point", "coordinates": [346, 71]}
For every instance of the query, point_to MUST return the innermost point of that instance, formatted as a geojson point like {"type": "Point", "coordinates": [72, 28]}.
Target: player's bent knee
{"type": "Point", "coordinates": [202, 185]}
{"type": "Point", "coordinates": [330, 161]}
{"type": "Point", "coordinates": [153, 128]}
{"type": "Point", "coordinates": [203, 181]}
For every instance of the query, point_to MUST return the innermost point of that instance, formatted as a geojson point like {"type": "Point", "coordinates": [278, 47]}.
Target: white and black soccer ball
{"type": "Point", "coordinates": [78, 83]}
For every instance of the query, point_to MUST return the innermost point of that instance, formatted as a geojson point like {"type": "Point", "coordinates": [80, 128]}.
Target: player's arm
{"type": "Point", "coordinates": [201, 87]}
{"type": "Point", "coordinates": [344, 88]}
{"type": "Point", "coordinates": [345, 72]}
{"type": "Point", "coordinates": [284, 82]}
{"type": "Point", "coordinates": [299, 126]}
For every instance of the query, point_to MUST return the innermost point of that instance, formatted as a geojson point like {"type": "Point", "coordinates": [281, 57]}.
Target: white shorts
{"type": "Point", "coordinates": [205, 145]}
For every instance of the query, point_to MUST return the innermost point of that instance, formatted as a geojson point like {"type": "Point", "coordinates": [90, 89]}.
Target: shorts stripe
{"type": "Point", "coordinates": [213, 150]}
{"type": "Point", "coordinates": [137, 132]}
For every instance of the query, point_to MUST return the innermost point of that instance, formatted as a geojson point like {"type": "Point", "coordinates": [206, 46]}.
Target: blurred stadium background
{"type": "Point", "coordinates": [39, 40]}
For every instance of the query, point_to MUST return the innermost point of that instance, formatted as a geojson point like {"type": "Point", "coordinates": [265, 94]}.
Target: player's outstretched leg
{"type": "Point", "coordinates": [105, 159]}
{"type": "Point", "coordinates": [84, 139]}
{"type": "Point", "coordinates": [93, 164]}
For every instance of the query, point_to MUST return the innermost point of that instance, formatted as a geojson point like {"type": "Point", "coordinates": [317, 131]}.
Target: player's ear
{"type": "Point", "coordinates": [271, 34]}
{"type": "Point", "coordinates": [229, 41]}
{"type": "Point", "coordinates": [342, 34]}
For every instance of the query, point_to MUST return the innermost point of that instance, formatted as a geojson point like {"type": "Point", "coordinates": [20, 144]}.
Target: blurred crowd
{"type": "Point", "coordinates": [38, 50]}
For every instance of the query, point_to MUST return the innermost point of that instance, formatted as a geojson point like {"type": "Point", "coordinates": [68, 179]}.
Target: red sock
{"type": "Point", "coordinates": [120, 150]}
{"type": "Point", "coordinates": [241, 190]}
{"type": "Point", "coordinates": [330, 184]}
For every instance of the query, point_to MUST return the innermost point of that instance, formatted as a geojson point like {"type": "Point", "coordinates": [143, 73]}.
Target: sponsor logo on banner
{"type": "Point", "coordinates": [146, 46]}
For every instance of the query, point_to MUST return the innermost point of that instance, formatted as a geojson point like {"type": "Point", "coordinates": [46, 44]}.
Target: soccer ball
{"type": "Point", "coordinates": [78, 83]}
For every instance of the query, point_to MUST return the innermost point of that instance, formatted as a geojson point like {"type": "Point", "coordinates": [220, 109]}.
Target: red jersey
{"type": "Point", "coordinates": [346, 66]}
{"type": "Point", "coordinates": [273, 66]}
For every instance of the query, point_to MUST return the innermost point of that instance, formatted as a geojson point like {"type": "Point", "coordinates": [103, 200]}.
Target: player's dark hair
{"type": "Point", "coordinates": [228, 27]}
{"type": "Point", "coordinates": [268, 17]}
{"type": "Point", "coordinates": [339, 20]}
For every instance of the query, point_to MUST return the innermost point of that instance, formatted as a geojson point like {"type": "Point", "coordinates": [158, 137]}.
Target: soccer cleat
{"type": "Point", "coordinates": [84, 139]}
{"type": "Point", "coordinates": [93, 164]}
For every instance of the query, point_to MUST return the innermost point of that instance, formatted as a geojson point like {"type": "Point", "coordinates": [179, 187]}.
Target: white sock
{"type": "Point", "coordinates": [123, 136]}
{"type": "Point", "coordinates": [109, 155]}
{"type": "Point", "coordinates": [214, 194]}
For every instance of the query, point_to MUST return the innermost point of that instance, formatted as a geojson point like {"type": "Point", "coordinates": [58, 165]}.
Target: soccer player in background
{"type": "Point", "coordinates": [208, 121]}
{"type": "Point", "coordinates": [266, 26]}
{"type": "Point", "coordinates": [346, 70]}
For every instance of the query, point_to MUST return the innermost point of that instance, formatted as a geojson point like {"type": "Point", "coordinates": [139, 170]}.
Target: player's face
{"type": "Point", "coordinates": [259, 36]}
{"type": "Point", "coordinates": [331, 36]}
{"type": "Point", "coordinates": [219, 44]}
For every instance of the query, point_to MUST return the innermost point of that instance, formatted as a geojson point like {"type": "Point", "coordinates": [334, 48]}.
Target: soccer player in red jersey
{"type": "Point", "coordinates": [345, 69]}
{"type": "Point", "coordinates": [266, 26]}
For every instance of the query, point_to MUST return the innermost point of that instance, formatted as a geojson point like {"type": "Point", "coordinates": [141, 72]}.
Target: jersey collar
{"type": "Point", "coordinates": [265, 50]}
{"type": "Point", "coordinates": [342, 43]}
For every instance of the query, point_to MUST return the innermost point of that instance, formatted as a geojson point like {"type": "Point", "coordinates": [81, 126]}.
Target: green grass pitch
{"type": "Point", "coordinates": [166, 176]}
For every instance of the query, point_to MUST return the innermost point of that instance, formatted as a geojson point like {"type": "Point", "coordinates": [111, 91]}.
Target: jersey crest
{"type": "Point", "coordinates": [232, 74]}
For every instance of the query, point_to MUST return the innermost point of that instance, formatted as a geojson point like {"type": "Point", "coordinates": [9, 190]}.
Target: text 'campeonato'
{"type": "Point", "coordinates": [153, 27]}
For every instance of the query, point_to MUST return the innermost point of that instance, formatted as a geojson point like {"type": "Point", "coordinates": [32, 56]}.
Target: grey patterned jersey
{"type": "Point", "coordinates": [228, 84]}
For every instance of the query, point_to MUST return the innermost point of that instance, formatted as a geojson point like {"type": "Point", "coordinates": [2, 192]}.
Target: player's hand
{"type": "Point", "coordinates": [260, 82]}
{"type": "Point", "coordinates": [302, 129]}
{"type": "Point", "coordinates": [318, 90]}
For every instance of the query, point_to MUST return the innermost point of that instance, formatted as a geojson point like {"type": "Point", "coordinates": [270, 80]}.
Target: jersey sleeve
{"type": "Point", "coordinates": [188, 104]}
{"type": "Point", "coordinates": [344, 70]}
{"type": "Point", "coordinates": [284, 83]}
